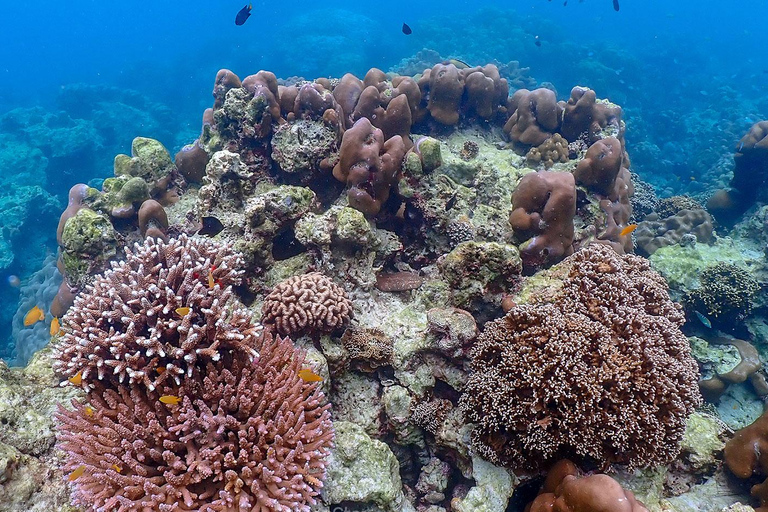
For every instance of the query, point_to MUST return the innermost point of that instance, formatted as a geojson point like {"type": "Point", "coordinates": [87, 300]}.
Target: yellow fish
{"type": "Point", "coordinates": [627, 230]}
{"type": "Point", "coordinates": [170, 399]}
{"type": "Point", "coordinates": [210, 279]}
{"type": "Point", "coordinates": [76, 473]}
{"type": "Point", "coordinates": [183, 311]}
{"type": "Point", "coordinates": [309, 376]}
{"type": "Point", "coordinates": [88, 410]}
{"type": "Point", "coordinates": [55, 327]}
{"type": "Point", "coordinates": [33, 316]}
{"type": "Point", "coordinates": [117, 468]}
{"type": "Point", "coordinates": [77, 378]}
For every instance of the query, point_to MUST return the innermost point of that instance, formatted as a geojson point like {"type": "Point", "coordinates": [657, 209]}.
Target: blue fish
{"type": "Point", "coordinates": [407, 30]}
{"type": "Point", "coordinates": [703, 319]}
{"type": "Point", "coordinates": [615, 5]}
{"type": "Point", "coordinates": [243, 15]}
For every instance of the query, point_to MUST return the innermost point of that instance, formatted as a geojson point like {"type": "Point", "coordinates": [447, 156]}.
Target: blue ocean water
{"type": "Point", "coordinates": [80, 79]}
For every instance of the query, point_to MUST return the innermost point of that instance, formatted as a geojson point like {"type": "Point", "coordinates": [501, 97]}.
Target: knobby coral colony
{"type": "Point", "coordinates": [188, 405]}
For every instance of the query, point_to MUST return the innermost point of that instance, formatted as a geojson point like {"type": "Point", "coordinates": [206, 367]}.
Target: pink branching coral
{"type": "Point", "coordinates": [192, 409]}
{"type": "Point", "coordinates": [307, 304]}
{"type": "Point", "coordinates": [133, 319]}
{"type": "Point", "coordinates": [598, 369]}
{"type": "Point", "coordinates": [245, 436]}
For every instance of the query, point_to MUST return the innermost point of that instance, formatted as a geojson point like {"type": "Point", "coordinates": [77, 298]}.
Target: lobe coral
{"type": "Point", "coordinates": [232, 428]}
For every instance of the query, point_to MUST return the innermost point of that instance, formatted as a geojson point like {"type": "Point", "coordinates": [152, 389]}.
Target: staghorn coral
{"type": "Point", "coordinates": [600, 370]}
{"type": "Point", "coordinates": [306, 304]}
{"type": "Point", "coordinates": [125, 325]}
{"type": "Point", "coordinates": [246, 435]}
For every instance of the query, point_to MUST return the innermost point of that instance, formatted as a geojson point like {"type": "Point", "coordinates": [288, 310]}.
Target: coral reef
{"type": "Point", "coordinates": [309, 303]}
{"type": "Point", "coordinates": [655, 232]}
{"type": "Point", "coordinates": [726, 295]}
{"type": "Point", "coordinates": [200, 409]}
{"type": "Point", "coordinates": [534, 398]}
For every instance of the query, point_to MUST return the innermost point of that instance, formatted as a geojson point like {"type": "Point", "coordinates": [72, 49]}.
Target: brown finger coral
{"type": "Point", "coordinates": [306, 304]}
{"type": "Point", "coordinates": [237, 435]}
{"type": "Point", "coordinates": [165, 307]}
{"type": "Point", "coordinates": [597, 369]}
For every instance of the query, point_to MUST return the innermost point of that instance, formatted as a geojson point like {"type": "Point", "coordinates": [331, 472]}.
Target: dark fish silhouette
{"type": "Point", "coordinates": [616, 5]}
{"type": "Point", "coordinates": [211, 226]}
{"type": "Point", "coordinates": [537, 41]}
{"type": "Point", "coordinates": [243, 15]}
{"type": "Point", "coordinates": [407, 30]}
{"type": "Point", "coordinates": [565, 3]}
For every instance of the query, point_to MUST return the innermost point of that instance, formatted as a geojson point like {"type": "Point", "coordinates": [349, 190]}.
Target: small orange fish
{"type": "Point", "coordinates": [160, 369]}
{"type": "Point", "coordinates": [88, 410]}
{"type": "Point", "coordinates": [313, 481]}
{"type": "Point", "coordinates": [77, 378]}
{"type": "Point", "coordinates": [309, 376]}
{"type": "Point", "coordinates": [116, 468]}
{"type": "Point", "coordinates": [76, 473]}
{"type": "Point", "coordinates": [211, 282]}
{"type": "Point", "coordinates": [183, 311]}
{"type": "Point", "coordinates": [33, 316]}
{"type": "Point", "coordinates": [55, 327]}
{"type": "Point", "coordinates": [627, 230]}
{"type": "Point", "coordinates": [170, 399]}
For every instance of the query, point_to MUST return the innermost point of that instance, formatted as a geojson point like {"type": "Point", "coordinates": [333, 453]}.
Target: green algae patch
{"type": "Point", "coordinates": [88, 242]}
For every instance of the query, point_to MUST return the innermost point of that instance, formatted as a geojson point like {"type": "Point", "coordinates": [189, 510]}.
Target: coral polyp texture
{"type": "Point", "coordinates": [245, 435]}
{"type": "Point", "coordinates": [189, 405]}
{"type": "Point", "coordinates": [165, 306]}
{"type": "Point", "coordinates": [597, 369]}
{"type": "Point", "coordinates": [307, 304]}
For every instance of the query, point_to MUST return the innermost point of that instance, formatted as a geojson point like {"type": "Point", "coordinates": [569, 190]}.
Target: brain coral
{"type": "Point", "coordinates": [599, 371]}
{"type": "Point", "coordinates": [189, 406]}
{"type": "Point", "coordinates": [309, 303]}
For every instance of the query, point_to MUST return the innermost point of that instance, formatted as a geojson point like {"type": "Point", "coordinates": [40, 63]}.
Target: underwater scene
{"type": "Point", "coordinates": [445, 257]}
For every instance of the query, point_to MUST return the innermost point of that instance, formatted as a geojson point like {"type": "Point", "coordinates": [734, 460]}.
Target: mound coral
{"type": "Point", "coordinates": [535, 116]}
{"type": "Point", "coordinates": [567, 490]}
{"type": "Point", "coordinates": [306, 304]}
{"type": "Point", "coordinates": [188, 406]}
{"type": "Point", "coordinates": [654, 232]}
{"type": "Point", "coordinates": [598, 369]}
{"type": "Point", "coordinates": [369, 165]}
{"type": "Point", "coordinates": [543, 208]}
{"type": "Point", "coordinates": [745, 455]}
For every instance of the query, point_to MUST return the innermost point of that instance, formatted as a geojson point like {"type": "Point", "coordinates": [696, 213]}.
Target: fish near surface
{"type": "Point", "coordinates": [243, 15]}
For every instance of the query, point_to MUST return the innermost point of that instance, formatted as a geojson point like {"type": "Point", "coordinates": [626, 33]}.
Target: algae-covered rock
{"type": "Point", "coordinates": [429, 150]}
{"type": "Point", "coordinates": [703, 441]}
{"type": "Point", "coordinates": [149, 161]}
{"type": "Point", "coordinates": [481, 272]}
{"type": "Point", "coordinates": [29, 475]}
{"type": "Point", "coordinates": [88, 242]}
{"type": "Point", "coordinates": [340, 225]}
{"type": "Point", "coordinates": [363, 470]}
{"type": "Point", "coordinates": [356, 399]}
{"type": "Point", "coordinates": [301, 145]}
{"type": "Point", "coordinates": [397, 406]}
{"type": "Point", "coordinates": [493, 488]}
{"type": "Point", "coordinates": [714, 359]}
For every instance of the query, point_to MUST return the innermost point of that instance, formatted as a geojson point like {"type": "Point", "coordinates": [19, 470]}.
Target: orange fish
{"type": "Point", "coordinates": [183, 311]}
{"type": "Point", "coordinates": [55, 327]}
{"type": "Point", "coordinates": [170, 399]}
{"type": "Point", "coordinates": [627, 230]}
{"type": "Point", "coordinates": [76, 473]}
{"type": "Point", "coordinates": [33, 316]}
{"type": "Point", "coordinates": [117, 468]}
{"type": "Point", "coordinates": [210, 280]}
{"type": "Point", "coordinates": [160, 369]}
{"type": "Point", "coordinates": [309, 376]}
{"type": "Point", "coordinates": [77, 378]}
{"type": "Point", "coordinates": [88, 410]}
